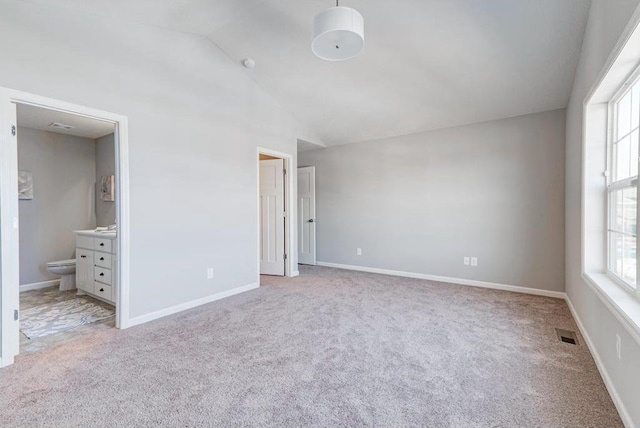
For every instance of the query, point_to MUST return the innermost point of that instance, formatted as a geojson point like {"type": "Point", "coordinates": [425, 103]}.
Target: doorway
{"type": "Point", "coordinates": [66, 171]}
{"type": "Point", "coordinates": [115, 273]}
{"type": "Point", "coordinates": [276, 214]}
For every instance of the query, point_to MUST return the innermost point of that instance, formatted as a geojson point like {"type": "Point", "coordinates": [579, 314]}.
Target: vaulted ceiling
{"type": "Point", "coordinates": [427, 64]}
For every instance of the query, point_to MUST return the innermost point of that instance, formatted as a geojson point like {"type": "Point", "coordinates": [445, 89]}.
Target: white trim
{"type": "Point", "coordinates": [295, 273]}
{"type": "Point", "coordinates": [612, 295]}
{"type": "Point", "coordinates": [123, 269]}
{"type": "Point", "coordinates": [8, 195]}
{"type": "Point", "coordinates": [39, 285]}
{"type": "Point", "coordinates": [622, 410]}
{"type": "Point", "coordinates": [459, 281]}
{"type": "Point", "coordinates": [291, 246]}
{"type": "Point", "coordinates": [617, 50]}
{"type": "Point", "coordinates": [9, 239]}
{"type": "Point", "coordinates": [189, 305]}
{"type": "Point", "coordinates": [597, 135]}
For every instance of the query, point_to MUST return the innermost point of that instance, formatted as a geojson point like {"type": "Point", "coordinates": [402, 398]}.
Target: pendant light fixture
{"type": "Point", "coordinates": [338, 33]}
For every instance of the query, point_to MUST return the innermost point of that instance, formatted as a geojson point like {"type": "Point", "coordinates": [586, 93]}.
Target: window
{"type": "Point", "coordinates": [609, 202]}
{"type": "Point", "coordinates": [622, 184]}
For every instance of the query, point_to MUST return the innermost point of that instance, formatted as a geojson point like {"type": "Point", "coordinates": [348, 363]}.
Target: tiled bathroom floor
{"type": "Point", "coordinates": [30, 299]}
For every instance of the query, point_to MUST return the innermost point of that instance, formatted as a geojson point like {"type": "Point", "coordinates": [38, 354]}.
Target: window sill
{"type": "Point", "coordinates": [624, 306]}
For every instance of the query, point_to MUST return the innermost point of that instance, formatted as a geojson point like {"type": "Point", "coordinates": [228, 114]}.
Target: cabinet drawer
{"type": "Point", "coordinates": [102, 275]}
{"type": "Point", "coordinates": [103, 290]}
{"type": "Point", "coordinates": [102, 245]}
{"type": "Point", "coordinates": [84, 242]}
{"type": "Point", "coordinates": [103, 260]}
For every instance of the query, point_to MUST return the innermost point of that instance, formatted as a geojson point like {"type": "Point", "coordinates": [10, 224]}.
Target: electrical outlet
{"type": "Point", "coordinates": [474, 261]}
{"type": "Point", "coordinates": [619, 347]}
{"type": "Point", "coordinates": [466, 261]}
{"type": "Point", "coordinates": [209, 273]}
{"type": "Point", "coordinates": [358, 251]}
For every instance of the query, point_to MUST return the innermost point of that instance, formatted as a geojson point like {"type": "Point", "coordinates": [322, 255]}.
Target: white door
{"type": "Point", "coordinates": [272, 217]}
{"type": "Point", "coordinates": [9, 250]}
{"type": "Point", "coordinates": [307, 215]}
{"type": "Point", "coordinates": [84, 270]}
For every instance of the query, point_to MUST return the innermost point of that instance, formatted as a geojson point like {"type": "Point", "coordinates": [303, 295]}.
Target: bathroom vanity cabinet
{"type": "Point", "coordinates": [96, 264]}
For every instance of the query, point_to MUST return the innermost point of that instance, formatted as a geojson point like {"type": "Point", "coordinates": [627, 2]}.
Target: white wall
{"type": "Point", "coordinates": [420, 203]}
{"type": "Point", "coordinates": [64, 171]}
{"type": "Point", "coordinates": [195, 120]}
{"type": "Point", "coordinates": [105, 165]}
{"type": "Point", "coordinates": [607, 19]}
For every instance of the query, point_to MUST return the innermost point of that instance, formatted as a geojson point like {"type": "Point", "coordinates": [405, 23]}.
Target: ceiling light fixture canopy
{"type": "Point", "coordinates": [338, 33]}
{"type": "Point", "coordinates": [249, 63]}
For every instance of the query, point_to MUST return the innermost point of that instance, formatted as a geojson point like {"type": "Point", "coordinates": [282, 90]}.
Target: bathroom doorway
{"type": "Point", "coordinates": [65, 266]}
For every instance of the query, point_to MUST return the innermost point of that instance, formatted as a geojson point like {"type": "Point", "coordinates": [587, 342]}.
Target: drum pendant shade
{"type": "Point", "coordinates": [338, 34]}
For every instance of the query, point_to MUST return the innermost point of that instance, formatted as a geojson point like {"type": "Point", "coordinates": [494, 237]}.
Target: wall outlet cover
{"type": "Point", "coordinates": [466, 261]}
{"type": "Point", "coordinates": [474, 261]}
{"type": "Point", "coordinates": [359, 251]}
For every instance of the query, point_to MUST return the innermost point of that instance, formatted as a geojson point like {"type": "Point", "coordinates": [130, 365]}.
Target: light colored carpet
{"type": "Point", "coordinates": [57, 317]}
{"type": "Point", "coordinates": [329, 348]}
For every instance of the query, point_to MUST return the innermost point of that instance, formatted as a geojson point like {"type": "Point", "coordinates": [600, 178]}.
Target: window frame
{"type": "Point", "coordinates": [613, 186]}
{"type": "Point", "coordinates": [591, 202]}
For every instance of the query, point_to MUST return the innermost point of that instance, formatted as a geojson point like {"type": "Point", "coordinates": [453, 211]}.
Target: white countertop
{"type": "Point", "coordinates": [106, 235]}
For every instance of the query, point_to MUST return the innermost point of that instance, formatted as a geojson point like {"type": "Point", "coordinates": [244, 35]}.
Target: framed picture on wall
{"type": "Point", "coordinates": [25, 185]}
{"type": "Point", "coordinates": [107, 185]}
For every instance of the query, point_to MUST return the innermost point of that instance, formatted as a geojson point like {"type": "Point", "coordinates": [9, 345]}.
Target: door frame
{"type": "Point", "coordinates": [290, 225]}
{"type": "Point", "coordinates": [9, 210]}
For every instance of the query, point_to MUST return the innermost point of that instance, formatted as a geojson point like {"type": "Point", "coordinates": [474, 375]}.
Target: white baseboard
{"type": "Point", "coordinates": [622, 410]}
{"type": "Point", "coordinates": [459, 281]}
{"type": "Point", "coordinates": [39, 285]}
{"type": "Point", "coordinates": [295, 273]}
{"type": "Point", "coordinates": [188, 305]}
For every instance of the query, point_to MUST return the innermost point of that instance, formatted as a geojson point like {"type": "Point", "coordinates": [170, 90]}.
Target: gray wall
{"type": "Point", "coordinates": [422, 202]}
{"type": "Point", "coordinates": [607, 19]}
{"type": "Point", "coordinates": [64, 171]}
{"type": "Point", "coordinates": [105, 165]}
{"type": "Point", "coordinates": [195, 121]}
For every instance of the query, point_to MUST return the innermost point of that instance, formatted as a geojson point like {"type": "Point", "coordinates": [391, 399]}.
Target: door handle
{"type": "Point", "coordinates": [310, 220]}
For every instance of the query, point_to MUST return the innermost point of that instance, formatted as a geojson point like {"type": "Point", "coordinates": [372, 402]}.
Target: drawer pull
{"type": "Point", "coordinates": [102, 289]}
{"type": "Point", "coordinates": [101, 258]}
{"type": "Point", "coordinates": [101, 273]}
{"type": "Point", "coordinates": [102, 244]}
{"type": "Point", "coordinates": [83, 257]}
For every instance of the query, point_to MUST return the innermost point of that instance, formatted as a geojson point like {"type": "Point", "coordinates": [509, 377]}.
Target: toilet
{"type": "Point", "coordinates": [67, 270]}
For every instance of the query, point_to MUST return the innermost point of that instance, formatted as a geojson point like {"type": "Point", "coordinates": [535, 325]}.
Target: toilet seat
{"type": "Point", "coordinates": [68, 262]}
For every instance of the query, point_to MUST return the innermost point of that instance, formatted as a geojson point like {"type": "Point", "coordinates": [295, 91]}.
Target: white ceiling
{"type": "Point", "coordinates": [427, 64]}
{"type": "Point", "coordinates": [40, 118]}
